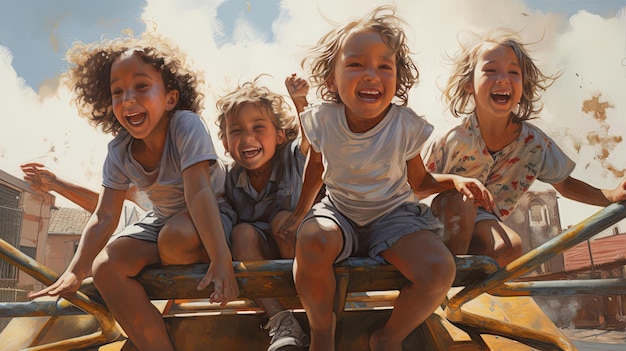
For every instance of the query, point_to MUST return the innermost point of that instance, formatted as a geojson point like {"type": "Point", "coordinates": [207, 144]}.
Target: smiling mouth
{"type": "Point", "coordinates": [369, 94]}
{"type": "Point", "coordinates": [135, 119]}
{"type": "Point", "coordinates": [501, 97]}
{"type": "Point", "coordinates": [251, 152]}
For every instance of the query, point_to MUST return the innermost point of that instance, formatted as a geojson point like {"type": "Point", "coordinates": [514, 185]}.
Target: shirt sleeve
{"type": "Point", "coordinates": [113, 176]}
{"type": "Point", "coordinates": [556, 166]}
{"type": "Point", "coordinates": [310, 126]}
{"type": "Point", "coordinates": [192, 140]}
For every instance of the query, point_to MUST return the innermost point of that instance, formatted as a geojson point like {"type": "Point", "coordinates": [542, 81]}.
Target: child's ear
{"type": "Point", "coordinates": [281, 138]}
{"type": "Point", "coordinates": [332, 87]}
{"type": "Point", "coordinates": [171, 99]}
{"type": "Point", "coordinates": [225, 143]}
{"type": "Point", "coordinates": [469, 87]}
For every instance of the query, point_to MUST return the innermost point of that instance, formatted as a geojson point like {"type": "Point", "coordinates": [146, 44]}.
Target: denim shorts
{"type": "Point", "coordinates": [380, 234]}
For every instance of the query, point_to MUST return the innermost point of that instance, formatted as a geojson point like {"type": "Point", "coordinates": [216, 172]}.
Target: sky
{"type": "Point", "coordinates": [233, 41]}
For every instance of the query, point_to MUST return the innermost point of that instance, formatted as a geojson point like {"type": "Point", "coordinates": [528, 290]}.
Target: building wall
{"type": "Point", "coordinates": [34, 211]}
{"type": "Point", "coordinates": [536, 219]}
{"type": "Point", "coordinates": [61, 249]}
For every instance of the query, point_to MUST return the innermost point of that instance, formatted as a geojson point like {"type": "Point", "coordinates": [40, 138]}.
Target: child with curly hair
{"type": "Point", "coordinates": [261, 134]}
{"type": "Point", "coordinates": [140, 90]}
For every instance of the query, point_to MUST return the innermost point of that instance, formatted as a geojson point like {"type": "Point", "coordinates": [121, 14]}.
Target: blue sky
{"type": "Point", "coordinates": [236, 40]}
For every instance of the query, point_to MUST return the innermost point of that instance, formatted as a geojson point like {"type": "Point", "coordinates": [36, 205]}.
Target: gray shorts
{"type": "Point", "coordinates": [382, 233]}
{"type": "Point", "coordinates": [148, 227]}
{"type": "Point", "coordinates": [483, 215]}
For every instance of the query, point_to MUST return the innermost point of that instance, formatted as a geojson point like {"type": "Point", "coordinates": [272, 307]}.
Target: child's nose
{"type": "Point", "coordinates": [129, 97]}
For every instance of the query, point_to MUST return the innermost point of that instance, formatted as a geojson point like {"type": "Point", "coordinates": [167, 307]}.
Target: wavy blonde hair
{"type": "Point", "coordinates": [320, 61]}
{"type": "Point", "coordinates": [252, 92]}
{"type": "Point", "coordinates": [534, 83]}
{"type": "Point", "coordinates": [89, 75]}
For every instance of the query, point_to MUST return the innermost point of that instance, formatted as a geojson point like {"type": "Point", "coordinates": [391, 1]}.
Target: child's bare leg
{"type": "Point", "coordinates": [427, 263]}
{"type": "Point", "coordinates": [457, 217]}
{"type": "Point", "coordinates": [495, 239]}
{"type": "Point", "coordinates": [179, 242]}
{"type": "Point", "coordinates": [113, 272]}
{"type": "Point", "coordinates": [248, 245]}
{"type": "Point", "coordinates": [319, 243]}
{"type": "Point", "coordinates": [287, 247]}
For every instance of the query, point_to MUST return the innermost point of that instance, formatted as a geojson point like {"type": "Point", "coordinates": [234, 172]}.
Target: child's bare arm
{"type": "Point", "coordinates": [425, 184]}
{"type": "Point", "coordinates": [96, 234]}
{"type": "Point", "coordinates": [204, 212]}
{"type": "Point", "coordinates": [298, 89]}
{"type": "Point", "coordinates": [310, 188]}
{"type": "Point", "coordinates": [580, 191]}
{"type": "Point", "coordinates": [42, 179]}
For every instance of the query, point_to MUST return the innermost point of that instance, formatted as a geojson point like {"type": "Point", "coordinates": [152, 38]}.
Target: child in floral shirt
{"type": "Point", "coordinates": [496, 86]}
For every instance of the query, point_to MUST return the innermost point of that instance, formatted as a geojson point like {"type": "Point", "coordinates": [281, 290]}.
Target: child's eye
{"type": "Point", "coordinates": [385, 67]}
{"type": "Point", "coordinates": [116, 92]}
{"type": "Point", "coordinates": [140, 86]}
{"type": "Point", "coordinates": [234, 131]}
{"type": "Point", "coordinates": [353, 64]}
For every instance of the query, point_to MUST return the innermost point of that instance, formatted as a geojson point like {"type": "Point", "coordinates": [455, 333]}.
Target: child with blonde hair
{"type": "Point", "coordinates": [496, 87]}
{"type": "Point", "coordinates": [261, 134]}
{"type": "Point", "coordinates": [366, 150]}
{"type": "Point", "coordinates": [140, 90]}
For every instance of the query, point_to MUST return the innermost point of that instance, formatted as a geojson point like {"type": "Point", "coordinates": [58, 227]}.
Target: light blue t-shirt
{"type": "Point", "coordinates": [187, 143]}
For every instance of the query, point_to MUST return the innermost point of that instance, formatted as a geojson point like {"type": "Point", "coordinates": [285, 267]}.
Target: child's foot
{"type": "Point", "coordinates": [286, 332]}
{"type": "Point", "coordinates": [378, 343]}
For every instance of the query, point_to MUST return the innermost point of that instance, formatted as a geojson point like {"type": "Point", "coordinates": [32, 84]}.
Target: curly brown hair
{"type": "Point", "coordinates": [279, 111]}
{"type": "Point", "coordinates": [90, 70]}
{"type": "Point", "coordinates": [383, 20]}
{"type": "Point", "coordinates": [460, 101]}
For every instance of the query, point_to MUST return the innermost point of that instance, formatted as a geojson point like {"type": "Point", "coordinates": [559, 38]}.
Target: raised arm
{"type": "Point", "coordinates": [43, 180]}
{"type": "Point", "coordinates": [298, 89]}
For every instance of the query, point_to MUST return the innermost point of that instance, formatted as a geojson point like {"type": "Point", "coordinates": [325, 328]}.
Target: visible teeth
{"type": "Point", "coordinates": [369, 92]}
{"type": "Point", "coordinates": [132, 114]}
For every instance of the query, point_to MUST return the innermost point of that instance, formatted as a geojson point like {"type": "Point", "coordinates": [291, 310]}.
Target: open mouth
{"type": "Point", "coordinates": [136, 119]}
{"type": "Point", "coordinates": [251, 152]}
{"type": "Point", "coordinates": [369, 94]}
{"type": "Point", "coordinates": [501, 98]}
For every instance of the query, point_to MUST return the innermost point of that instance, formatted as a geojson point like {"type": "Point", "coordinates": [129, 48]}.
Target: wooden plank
{"type": "Point", "coordinates": [274, 278]}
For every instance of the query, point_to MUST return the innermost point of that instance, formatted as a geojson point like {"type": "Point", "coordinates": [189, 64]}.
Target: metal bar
{"type": "Point", "coordinates": [39, 309]}
{"type": "Point", "coordinates": [615, 286]}
{"type": "Point", "coordinates": [526, 263]}
{"type": "Point", "coordinates": [109, 330]}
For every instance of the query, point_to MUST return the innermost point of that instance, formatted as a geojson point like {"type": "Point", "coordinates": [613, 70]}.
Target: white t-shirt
{"type": "Point", "coordinates": [366, 173]}
{"type": "Point", "coordinates": [187, 143]}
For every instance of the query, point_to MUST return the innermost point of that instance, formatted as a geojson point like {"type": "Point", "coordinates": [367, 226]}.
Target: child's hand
{"type": "Point", "coordinates": [38, 176]}
{"type": "Point", "coordinates": [474, 190]}
{"type": "Point", "coordinates": [296, 86]}
{"type": "Point", "coordinates": [225, 286]}
{"type": "Point", "coordinates": [67, 283]}
{"type": "Point", "coordinates": [617, 194]}
{"type": "Point", "coordinates": [287, 230]}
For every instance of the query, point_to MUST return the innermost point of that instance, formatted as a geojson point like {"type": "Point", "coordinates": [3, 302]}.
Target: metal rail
{"type": "Point", "coordinates": [108, 328]}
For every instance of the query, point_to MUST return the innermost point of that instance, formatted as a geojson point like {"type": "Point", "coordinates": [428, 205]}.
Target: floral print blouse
{"type": "Point", "coordinates": [507, 173]}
